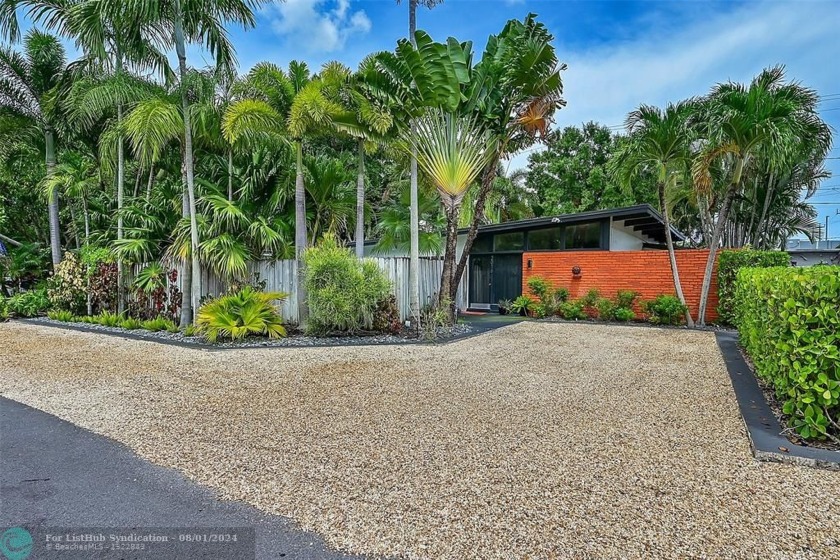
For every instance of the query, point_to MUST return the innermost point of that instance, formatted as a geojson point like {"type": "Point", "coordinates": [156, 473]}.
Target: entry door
{"type": "Point", "coordinates": [507, 277]}
{"type": "Point", "coordinates": [480, 274]}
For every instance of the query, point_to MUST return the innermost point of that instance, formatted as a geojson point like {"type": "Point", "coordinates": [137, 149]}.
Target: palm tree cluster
{"type": "Point", "coordinates": [733, 167]}
{"type": "Point", "coordinates": [210, 170]}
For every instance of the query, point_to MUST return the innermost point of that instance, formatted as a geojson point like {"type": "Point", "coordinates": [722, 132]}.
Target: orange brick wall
{"type": "Point", "coordinates": [646, 272]}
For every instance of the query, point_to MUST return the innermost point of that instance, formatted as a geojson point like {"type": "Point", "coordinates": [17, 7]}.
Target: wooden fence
{"type": "Point", "coordinates": [281, 276]}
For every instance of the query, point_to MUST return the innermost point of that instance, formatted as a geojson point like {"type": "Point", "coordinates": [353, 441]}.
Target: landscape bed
{"type": "Point", "coordinates": [295, 338]}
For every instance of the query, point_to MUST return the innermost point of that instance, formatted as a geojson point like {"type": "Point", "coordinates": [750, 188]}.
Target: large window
{"type": "Point", "coordinates": [513, 241]}
{"type": "Point", "coordinates": [546, 239]}
{"type": "Point", "coordinates": [584, 236]}
{"type": "Point", "coordinates": [483, 244]}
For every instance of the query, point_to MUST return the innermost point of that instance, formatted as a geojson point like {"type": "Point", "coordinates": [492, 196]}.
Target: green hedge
{"type": "Point", "coordinates": [729, 263]}
{"type": "Point", "coordinates": [789, 322]}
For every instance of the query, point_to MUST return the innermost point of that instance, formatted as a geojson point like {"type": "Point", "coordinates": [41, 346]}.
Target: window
{"type": "Point", "coordinates": [483, 244]}
{"type": "Point", "coordinates": [546, 239]}
{"type": "Point", "coordinates": [584, 236]}
{"type": "Point", "coordinates": [513, 241]}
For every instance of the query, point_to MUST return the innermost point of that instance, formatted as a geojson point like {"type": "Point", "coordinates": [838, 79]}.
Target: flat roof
{"type": "Point", "coordinates": [642, 218]}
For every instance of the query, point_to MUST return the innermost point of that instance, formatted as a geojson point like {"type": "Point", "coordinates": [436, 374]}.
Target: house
{"type": "Point", "coordinates": [607, 250]}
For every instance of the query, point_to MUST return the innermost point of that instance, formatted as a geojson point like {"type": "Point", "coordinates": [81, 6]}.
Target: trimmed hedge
{"type": "Point", "coordinates": [789, 322]}
{"type": "Point", "coordinates": [729, 263]}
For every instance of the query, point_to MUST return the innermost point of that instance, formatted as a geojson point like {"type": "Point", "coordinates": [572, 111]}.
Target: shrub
{"type": "Point", "coordinates": [572, 310]}
{"type": "Point", "coordinates": [606, 309]}
{"type": "Point", "coordinates": [523, 305]}
{"type": "Point", "coordinates": [191, 330]}
{"type": "Point", "coordinates": [387, 317]}
{"type": "Point", "coordinates": [61, 315]}
{"type": "Point", "coordinates": [789, 323]}
{"type": "Point", "coordinates": [624, 314]}
{"type": "Point", "coordinates": [549, 297]}
{"type": "Point", "coordinates": [729, 263]}
{"type": "Point", "coordinates": [665, 310]}
{"type": "Point", "coordinates": [28, 304]}
{"type": "Point", "coordinates": [130, 323]}
{"type": "Point", "coordinates": [626, 298]}
{"type": "Point", "coordinates": [159, 324]}
{"type": "Point", "coordinates": [343, 292]}
{"type": "Point", "coordinates": [238, 315]}
{"type": "Point", "coordinates": [435, 319]}
{"type": "Point", "coordinates": [67, 288]}
{"type": "Point", "coordinates": [108, 319]}
{"type": "Point", "coordinates": [4, 308]}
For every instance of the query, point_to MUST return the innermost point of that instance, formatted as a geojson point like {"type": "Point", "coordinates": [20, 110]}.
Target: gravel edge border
{"type": "Point", "coordinates": [763, 429]}
{"type": "Point", "coordinates": [131, 335]}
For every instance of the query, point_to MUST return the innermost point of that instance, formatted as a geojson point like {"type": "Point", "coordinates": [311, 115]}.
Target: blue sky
{"type": "Point", "coordinates": [620, 53]}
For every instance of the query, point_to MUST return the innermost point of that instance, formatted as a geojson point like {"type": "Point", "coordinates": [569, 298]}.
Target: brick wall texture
{"type": "Point", "coordinates": [646, 272]}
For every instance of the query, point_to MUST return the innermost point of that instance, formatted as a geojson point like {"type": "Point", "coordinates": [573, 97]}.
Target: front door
{"type": "Point", "coordinates": [507, 277]}
{"type": "Point", "coordinates": [480, 274]}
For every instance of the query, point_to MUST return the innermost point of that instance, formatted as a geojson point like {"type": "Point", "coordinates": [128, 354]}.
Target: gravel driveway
{"type": "Point", "coordinates": [533, 441]}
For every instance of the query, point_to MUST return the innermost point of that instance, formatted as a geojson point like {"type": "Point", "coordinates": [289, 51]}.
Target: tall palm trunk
{"type": "Point", "coordinates": [186, 270]}
{"type": "Point", "coordinates": [87, 219]}
{"type": "Point", "coordinates": [446, 297]}
{"type": "Point", "coordinates": [360, 203]}
{"type": "Point", "coordinates": [195, 269]}
{"type": "Point", "coordinates": [120, 198]}
{"type": "Point", "coordinates": [715, 240]}
{"type": "Point", "coordinates": [300, 231]}
{"type": "Point", "coordinates": [55, 231]}
{"type": "Point", "coordinates": [672, 255]}
{"type": "Point", "coordinates": [151, 182]}
{"type": "Point", "coordinates": [230, 175]}
{"type": "Point", "coordinates": [487, 179]}
{"type": "Point", "coordinates": [414, 212]}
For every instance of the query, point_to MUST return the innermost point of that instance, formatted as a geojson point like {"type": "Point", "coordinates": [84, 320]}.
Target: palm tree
{"type": "Point", "coordinates": [414, 269]}
{"type": "Point", "coordinates": [75, 177]}
{"type": "Point", "coordinates": [659, 141]}
{"type": "Point", "coordinates": [452, 151]}
{"type": "Point", "coordinates": [28, 88]}
{"type": "Point", "coordinates": [514, 90]}
{"type": "Point", "coordinates": [192, 21]}
{"type": "Point", "coordinates": [742, 122]}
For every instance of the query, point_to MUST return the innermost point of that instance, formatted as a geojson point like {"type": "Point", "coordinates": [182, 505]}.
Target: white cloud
{"type": "Point", "coordinates": [662, 63]}
{"type": "Point", "coordinates": [317, 25]}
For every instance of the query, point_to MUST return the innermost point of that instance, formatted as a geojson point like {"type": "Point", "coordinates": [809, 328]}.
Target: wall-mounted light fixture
{"type": "Point", "coordinates": [576, 271]}
{"type": "Point", "coordinates": [530, 263]}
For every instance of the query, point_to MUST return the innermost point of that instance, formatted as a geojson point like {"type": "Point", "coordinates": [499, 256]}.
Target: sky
{"type": "Point", "coordinates": [620, 53]}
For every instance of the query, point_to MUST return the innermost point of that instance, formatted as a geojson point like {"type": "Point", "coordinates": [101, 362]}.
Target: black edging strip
{"type": "Point", "coordinates": [131, 335]}
{"type": "Point", "coordinates": [763, 428]}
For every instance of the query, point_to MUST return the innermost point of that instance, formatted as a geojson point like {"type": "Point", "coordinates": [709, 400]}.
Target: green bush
{"type": "Point", "coordinates": [130, 323]}
{"type": "Point", "coordinates": [108, 319]}
{"type": "Point", "coordinates": [549, 297]}
{"type": "Point", "coordinates": [606, 309]}
{"type": "Point", "coordinates": [729, 263]}
{"type": "Point", "coordinates": [238, 315]}
{"type": "Point", "coordinates": [524, 305]}
{"type": "Point", "coordinates": [28, 304]}
{"type": "Point", "coordinates": [4, 308]}
{"type": "Point", "coordinates": [665, 310]}
{"type": "Point", "coordinates": [626, 298]}
{"type": "Point", "coordinates": [67, 287]}
{"type": "Point", "coordinates": [61, 315]}
{"type": "Point", "coordinates": [160, 324]}
{"type": "Point", "coordinates": [343, 292]}
{"type": "Point", "coordinates": [572, 310]}
{"type": "Point", "coordinates": [789, 323]}
{"type": "Point", "coordinates": [624, 314]}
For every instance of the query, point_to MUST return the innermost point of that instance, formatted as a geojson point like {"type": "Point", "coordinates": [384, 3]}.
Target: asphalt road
{"type": "Point", "coordinates": [55, 474]}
